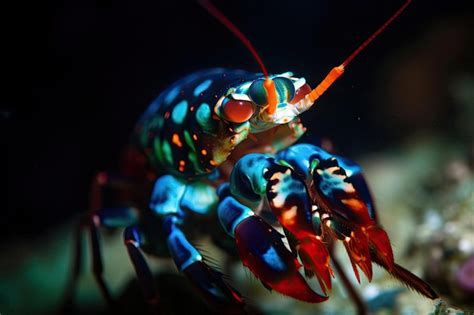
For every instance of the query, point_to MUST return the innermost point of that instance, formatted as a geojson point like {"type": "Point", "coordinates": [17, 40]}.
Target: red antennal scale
{"type": "Point", "coordinates": [336, 72]}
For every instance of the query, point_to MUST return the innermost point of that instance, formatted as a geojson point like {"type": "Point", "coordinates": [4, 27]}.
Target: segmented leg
{"type": "Point", "coordinates": [113, 217]}
{"type": "Point", "coordinates": [208, 282]}
{"type": "Point", "coordinates": [109, 217]}
{"type": "Point", "coordinates": [76, 270]}
{"type": "Point", "coordinates": [133, 242]}
{"type": "Point", "coordinates": [97, 265]}
{"type": "Point", "coordinates": [170, 198]}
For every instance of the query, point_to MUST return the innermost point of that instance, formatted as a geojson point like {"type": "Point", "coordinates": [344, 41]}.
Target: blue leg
{"type": "Point", "coordinates": [68, 300]}
{"type": "Point", "coordinates": [97, 265]}
{"type": "Point", "coordinates": [96, 217]}
{"type": "Point", "coordinates": [133, 241]}
{"type": "Point", "coordinates": [114, 218]}
{"type": "Point", "coordinates": [169, 197]}
{"type": "Point", "coordinates": [110, 217]}
{"type": "Point", "coordinates": [209, 283]}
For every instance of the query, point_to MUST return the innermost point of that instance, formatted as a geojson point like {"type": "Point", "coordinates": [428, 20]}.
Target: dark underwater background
{"type": "Point", "coordinates": [77, 75]}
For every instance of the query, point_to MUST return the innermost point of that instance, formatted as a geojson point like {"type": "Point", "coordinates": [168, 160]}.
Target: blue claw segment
{"type": "Point", "coordinates": [166, 195]}
{"type": "Point", "coordinates": [246, 181]}
{"type": "Point", "coordinates": [207, 281]}
{"type": "Point", "coordinates": [299, 157]}
{"type": "Point", "coordinates": [183, 253]}
{"type": "Point", "coordinates": [231, 213]}
{"type": "Point", "coordinates": [171, 195]}
{"type": "Point", "coordinates": [348, 196]}
{"type": "Point", "coordinates": [355, 177]}
{"type": "Point", "coordinates": [199, 197]}
{"type": "Point", "coordinates": [360, 185]}
{"type": "Point", "coordinates": [332, 185]}
{"type": "Point", "coordinates": [349, 166]}
{"type": "Point", "coordinates": [223, 191]}
{"type": "Point", "coordinates": [261, 249]}
{"type": "Point", "coordinates": [289, 200]}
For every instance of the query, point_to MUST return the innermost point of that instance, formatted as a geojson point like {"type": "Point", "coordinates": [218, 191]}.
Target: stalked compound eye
{"type": "Point", "coordinates": [300, 93]}
{"type": "Point", "coordinates": [285, 91]}
{"type": "Point", "coordinates": [237, 111]}
{"type": "Point", "coordinates": [257, 92]}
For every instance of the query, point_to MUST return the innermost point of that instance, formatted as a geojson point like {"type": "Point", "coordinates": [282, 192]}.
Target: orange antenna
{"type": "Point", "coordinates": [336, 72]}
{"type": "Point", "coordinates": [269, 86]}
{"type": "Point", "coordinates": [215, 12]}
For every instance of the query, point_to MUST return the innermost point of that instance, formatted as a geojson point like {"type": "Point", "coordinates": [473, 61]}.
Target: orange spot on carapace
{"type": "Point", "coordinates": [182, 164]}
{"type": "Point", "coordinates": [213, 163]}
{"type": "Point", "coordinates": [203, 152]}
{"type": "Point", "coordinates": [195, 137]}
{"type": "Point", "coordinates": [176, 140]}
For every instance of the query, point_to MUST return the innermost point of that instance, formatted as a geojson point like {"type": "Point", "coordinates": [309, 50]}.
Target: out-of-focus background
{"type": "Point", "coordinates": [77, 74]}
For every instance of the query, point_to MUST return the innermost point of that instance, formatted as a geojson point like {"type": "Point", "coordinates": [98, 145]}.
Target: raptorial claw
{"type": "Point", "coordinates": [358, 250]}
{"type": "Point", "coordinates": [289, 200]}
{"type": "Point", "coordinates": [348, 209]}
{"type": "Point", "coordinates": [315, 257]}
{"type": "Point", "coordinates": [261, 249]}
